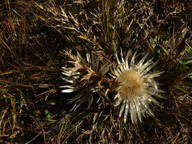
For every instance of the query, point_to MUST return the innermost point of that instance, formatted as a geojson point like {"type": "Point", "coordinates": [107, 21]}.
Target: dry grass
{"type": "Point", "coordinates": [33, 36]}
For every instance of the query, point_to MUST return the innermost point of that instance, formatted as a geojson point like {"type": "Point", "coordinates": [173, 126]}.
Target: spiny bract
{"type": "Point", "coordinates": [87, 77]}
{"type": "Point", "coordinates": [136, 86]}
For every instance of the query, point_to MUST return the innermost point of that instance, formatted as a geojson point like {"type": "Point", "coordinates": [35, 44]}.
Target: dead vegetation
{"type": "Point", "coordinates": [33, 38]}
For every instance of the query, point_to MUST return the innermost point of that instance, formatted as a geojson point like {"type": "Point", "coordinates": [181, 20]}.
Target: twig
{"type": "Point", "coordinates": [10, 82]}
{"type": "Point", "coordinates": [3, 115]}
{"type": "Point", "coordinates": [180, 116]}
{"type": "Point", "coordinates": [34, 138]}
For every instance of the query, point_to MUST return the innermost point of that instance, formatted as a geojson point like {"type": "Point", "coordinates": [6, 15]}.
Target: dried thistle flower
{"type": "Point", "coordinates": [136, 86]}
{"type": "Point", "coordinates": [87, 77]}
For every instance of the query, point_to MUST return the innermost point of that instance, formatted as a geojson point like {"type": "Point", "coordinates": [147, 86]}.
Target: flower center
{"type": "Point", "coordinates": [132, 85]}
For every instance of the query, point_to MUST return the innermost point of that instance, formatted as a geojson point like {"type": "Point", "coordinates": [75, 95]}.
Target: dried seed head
{"type": "Point", "coordinates": [132, 85]}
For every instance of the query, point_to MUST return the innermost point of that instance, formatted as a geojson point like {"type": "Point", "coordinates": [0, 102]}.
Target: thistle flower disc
{"type": "Point", "coordinates": [85, 77]}
{"type": "Point", "coordinates": [136, 86]}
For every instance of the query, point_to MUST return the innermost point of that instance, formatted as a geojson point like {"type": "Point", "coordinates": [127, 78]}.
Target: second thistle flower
{"type": "Point", "coordinates": [86, 77]}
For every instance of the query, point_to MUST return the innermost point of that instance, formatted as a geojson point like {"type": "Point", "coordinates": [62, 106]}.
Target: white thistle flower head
{"type": "Point", "coordinates": [85, 76]}
{"type": "Point", "coordinates": [136, 86]}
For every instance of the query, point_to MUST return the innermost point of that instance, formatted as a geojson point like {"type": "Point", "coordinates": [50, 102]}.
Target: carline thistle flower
{"type": "Point", "coordinates": [86, 77]}
{"type": "Point", "coordinates": [136, 86]}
